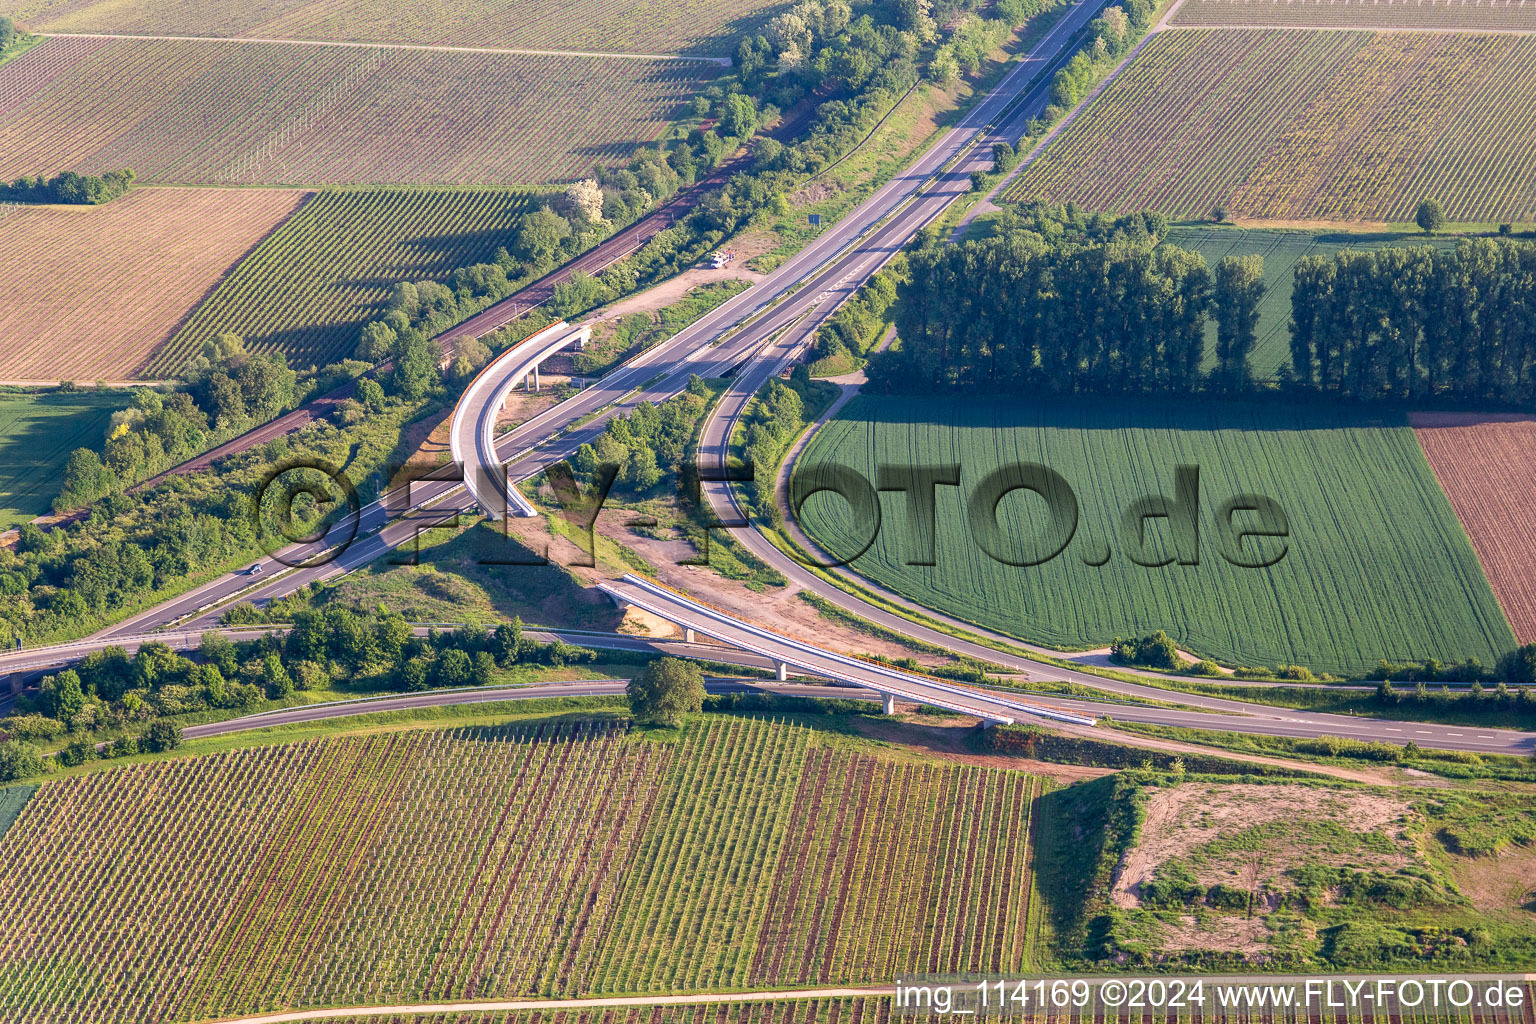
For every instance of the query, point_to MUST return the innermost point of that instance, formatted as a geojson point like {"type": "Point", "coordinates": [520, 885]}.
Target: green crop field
{"type": "Point", "coordinates": [537, 859]}
{"type": "Point", "coordinates": [308, 288]}
{"type": "Point", "coordinates": [197, 112]}
{"type": "Point", "coordinates": [1465, 15]}
{"type": "Point", "coordinates": [37, 433]}
{"type": "Point", "coordinates": [624, 26]}
{"type": "Point", "coordinates": [1375, 564]}
{"type": "Point", "coordinates": [1281, 251]}
{"type": "Point", "coordinates": [1303, 125]}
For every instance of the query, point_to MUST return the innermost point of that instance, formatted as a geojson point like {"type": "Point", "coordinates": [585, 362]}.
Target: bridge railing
{"type": "Point", "coordinates": [896, 675]}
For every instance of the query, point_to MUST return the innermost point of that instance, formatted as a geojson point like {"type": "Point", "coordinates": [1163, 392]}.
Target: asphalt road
{"type": "Point", "coordinates": [787, 305]}
{"type": "Point", "coordinates": [532, 691]}
{"type": "Point", "coordinates": [472, 432]}
{"type": "Point", "coordinates": [814, 278]}
{"type": "Point", "coordinates": [1211, 713]}
{"type": "Point", "coordinates": [1483, 741]}
{"type": "Point", "coordinates": [30, 659]}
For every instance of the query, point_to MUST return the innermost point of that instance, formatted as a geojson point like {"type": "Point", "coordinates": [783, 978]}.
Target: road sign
{"type": "Point", "coordinates": [815, 220]}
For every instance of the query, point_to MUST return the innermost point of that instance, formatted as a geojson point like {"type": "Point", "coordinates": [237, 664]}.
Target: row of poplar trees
{"type": "Point", "coordinates": [1058, 302]}
{"type": "Point", "coordinates": [1419, 323]}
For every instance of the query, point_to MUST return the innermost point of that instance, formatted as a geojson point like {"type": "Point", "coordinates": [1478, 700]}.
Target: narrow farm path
{"type": "Point", "coordinates": [484, 1006]}
{"type": "Point", "coordinates": [721, 61]}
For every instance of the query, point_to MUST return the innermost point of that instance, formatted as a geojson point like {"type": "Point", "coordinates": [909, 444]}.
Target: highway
{"type": "Point", "coordinates": [814, 278]}
{"type": "Point", "coordinates": [780, 311]}
{"type": "Point", "coordinates": [1195, 712]}
{"type": "Point", "coordinates": [788, 652]}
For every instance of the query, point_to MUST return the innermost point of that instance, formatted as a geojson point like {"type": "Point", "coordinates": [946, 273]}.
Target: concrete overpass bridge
{"type": "Point", "coordinates": [472, 435]}
{"type": "Point", "coordinates": [786, 652]}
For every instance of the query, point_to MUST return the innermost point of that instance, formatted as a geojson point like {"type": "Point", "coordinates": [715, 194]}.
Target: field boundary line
{"type": "Point", "coordinates": [435, 48]}
{"type": "Point", "coordinates": [493, 1006]}
{"type": "Point", "coordinates": [1380, 29]}
{"type": "Point", "coordinates": [88, 384]}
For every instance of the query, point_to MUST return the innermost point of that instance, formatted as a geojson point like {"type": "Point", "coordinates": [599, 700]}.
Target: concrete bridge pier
{"type": "Point", "coordinates": [781, 671]}
{"type": "Point", "coordinates": [688, 635]}
{"type": "Point", "coordinates": [887, 704]}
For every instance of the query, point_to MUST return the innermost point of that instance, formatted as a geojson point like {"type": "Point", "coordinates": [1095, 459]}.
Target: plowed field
{"type": "Point", "coordinates": [1487, 465]}
{"type": "Point", "coordinates": [90, 291]}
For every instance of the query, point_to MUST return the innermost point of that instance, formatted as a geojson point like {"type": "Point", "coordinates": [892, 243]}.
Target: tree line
{"type": "Point", "coordinates": [1063, 302]}
{"type": "Point", "coordinates": [133, 698]}
{"type": "Point", "coordinates": [1418, 323]}
{"type": "Point", "coordinates": [1059, 301]}
{"type": "Point", "coordinates": [68, 187]}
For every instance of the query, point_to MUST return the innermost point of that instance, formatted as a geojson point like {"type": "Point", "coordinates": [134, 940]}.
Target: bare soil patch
{"type": "Point", "coordinates": [1246, 935]}
{"type": "Point", "coordinates": [638, 622]}
{"type": "Point", "coordinates": [946, 738]}
{"type": "Point", "coordinates": [1487, 465]}
{"type": "Point", "coordinates": [427, 441]}
{"type": "Point", "coordinates": [674, 288]}
{"type": "Point", "coordinates": [522, 406]}
{"type": "Point", "coordinates": [1499, 884]}
{"type": "Point", "coordinates": [91, 291]}
{"type": "Point", "coordinates": [1287, 821]}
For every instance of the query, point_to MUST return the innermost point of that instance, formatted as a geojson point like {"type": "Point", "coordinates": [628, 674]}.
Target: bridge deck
{"type": "Point", "coordinates": [689, 614]}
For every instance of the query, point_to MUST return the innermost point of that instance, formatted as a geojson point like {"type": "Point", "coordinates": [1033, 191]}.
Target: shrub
{"type": "Point", "coordinates": [1154, 651]}
{"type": "Point", "coordinates": [666, 690]}
{"type": "Point", "coordinates": [1173, 884]}
{"type": "Point", "coordinates": [77, 753]}
{"type": "Point", "coordinates": [161, 737]}
{"type": "Point", "coordinates": [1227, 897]}
{"type": "Point", "coordinates": [19, 761]}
